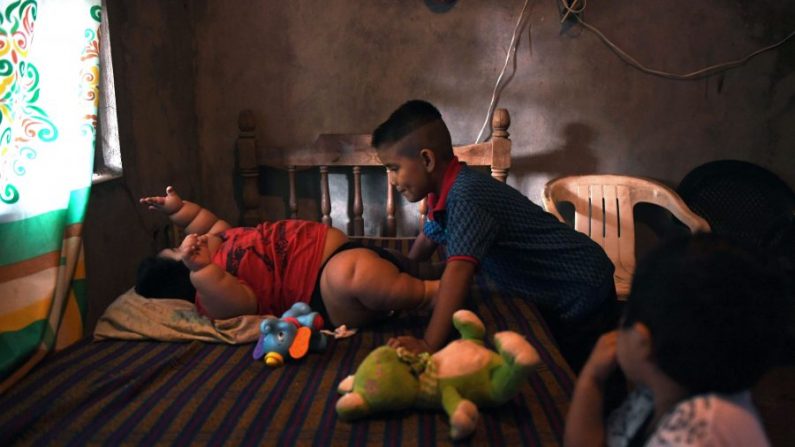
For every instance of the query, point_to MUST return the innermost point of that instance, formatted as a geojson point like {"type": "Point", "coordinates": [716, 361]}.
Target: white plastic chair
{"type": "Point", "coordinates": [603, 209]}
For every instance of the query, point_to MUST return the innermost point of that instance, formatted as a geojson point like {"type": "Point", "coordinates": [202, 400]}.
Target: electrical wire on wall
{"type": "Point", "coordinates": [498, 86]}
{"type": "Point", "coordinates": [577, 7]}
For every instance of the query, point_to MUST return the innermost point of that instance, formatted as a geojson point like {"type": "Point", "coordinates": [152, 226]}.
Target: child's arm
{"type": "Point", "coordinates": [188, 215]}
{"type": "Point", "coordinates": [585, 421]}
{"type": "Point", "coordinates": [453, 290]}
{"type": "Point", "coordinates": [422, 248]}
{"type": "Point", "coordinates": [223, 296]}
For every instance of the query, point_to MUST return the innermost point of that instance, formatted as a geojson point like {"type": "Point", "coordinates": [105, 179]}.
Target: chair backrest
{"type": "Point", "coordinates": [354, 152]}
{"type": "Point", "coordinates": [603, 209]}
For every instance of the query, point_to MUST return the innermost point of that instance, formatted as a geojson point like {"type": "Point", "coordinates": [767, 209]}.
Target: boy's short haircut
{"type": "Point", "coordinates": [716, 312]}
{"type": "Point", "coordinates": [164, 278]}
{"type": "Point", "coordinates": [409, 117]}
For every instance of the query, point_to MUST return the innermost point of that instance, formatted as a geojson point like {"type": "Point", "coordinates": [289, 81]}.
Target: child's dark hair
{"type": "Point", "coordinates": [164, 278]}
{"type": "Point", "coordinates": [716, 312]}
{"type": "Point", "coordinates": [409, 117]}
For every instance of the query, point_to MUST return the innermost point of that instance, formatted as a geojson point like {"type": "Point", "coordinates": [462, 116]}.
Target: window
{"type": "Point", "coordinates": [107, 154]}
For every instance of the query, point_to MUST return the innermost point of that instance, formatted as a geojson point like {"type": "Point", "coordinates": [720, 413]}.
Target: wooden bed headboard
{"type": "Point", "coordinates": [351, 151]}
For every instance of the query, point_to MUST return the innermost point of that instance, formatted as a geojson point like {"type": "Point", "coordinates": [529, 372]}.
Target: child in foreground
{"type": "Point", "coordinates": [700, 328]}
{"type": "Point", "coordinates": [265, 269]}
{"type": "Point", "coordinates": [491, 228]}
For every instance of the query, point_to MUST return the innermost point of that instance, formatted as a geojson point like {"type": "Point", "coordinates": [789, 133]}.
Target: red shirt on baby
{"type": "Point", "coordinates": [279, 261]}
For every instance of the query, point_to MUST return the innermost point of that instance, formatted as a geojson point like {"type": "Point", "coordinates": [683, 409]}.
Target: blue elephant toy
{"type": "Point", "coordinates": [292, 335]}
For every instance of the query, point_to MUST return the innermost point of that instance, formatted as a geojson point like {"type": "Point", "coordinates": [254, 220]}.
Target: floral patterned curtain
{"type": "Point", "coordinates": [49, 72]}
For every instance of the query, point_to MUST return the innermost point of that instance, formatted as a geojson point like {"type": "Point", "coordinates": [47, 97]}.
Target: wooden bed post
{"type": "Point", "coordinates": [501, 144]}
{"type": "Point", "coordinates": [248, 168]}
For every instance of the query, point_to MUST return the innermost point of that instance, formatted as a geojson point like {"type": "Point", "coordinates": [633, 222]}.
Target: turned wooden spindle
{"type": "Point", "coordinates": [293, 199]}
{"type": "Point", "coordinates": [248, 168]}
{"type": "Point", "coordinates": [358, 209]}
{"type": "Point", "coordinates": [391, 224]}
{"type": "Point", "coordinates": [325, 197]}
{"type": "Point", "coordinates": [423, 209]}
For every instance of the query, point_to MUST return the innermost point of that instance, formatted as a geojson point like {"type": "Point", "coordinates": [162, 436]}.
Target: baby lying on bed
{"type": "Point", "coordinates": [265, 269]}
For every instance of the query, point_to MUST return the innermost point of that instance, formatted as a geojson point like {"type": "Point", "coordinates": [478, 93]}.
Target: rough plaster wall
{"type": "Point", "coordinates": [339, 66]}
{"type": "Point", "coordinates": [185, 69]}
{"type": "Point", "coordinates": [152, 56]}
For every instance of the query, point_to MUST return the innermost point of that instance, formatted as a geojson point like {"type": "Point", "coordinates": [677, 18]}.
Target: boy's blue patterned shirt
{"type": "Point", "coordinates": [521, 247]}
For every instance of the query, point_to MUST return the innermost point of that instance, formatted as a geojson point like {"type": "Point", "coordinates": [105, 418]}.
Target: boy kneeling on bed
{"type": "Point", "coordinates": [700, 327]}
{"type": "Point", "coordinates": [263, 270]}
{"type": "Point", "coordinates": [489, 227]}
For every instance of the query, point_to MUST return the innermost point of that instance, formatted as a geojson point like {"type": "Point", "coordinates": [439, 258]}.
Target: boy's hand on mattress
{"type": "Point", "coordinates": [168, 204]}
{"type": "Point", "coordinates": [195, 253]}
{"type": "Point", "coordinates": [412, 344]}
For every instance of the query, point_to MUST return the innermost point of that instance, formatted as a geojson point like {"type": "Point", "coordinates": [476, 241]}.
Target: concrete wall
{"type": "Point", "coordinates": [185, 69]}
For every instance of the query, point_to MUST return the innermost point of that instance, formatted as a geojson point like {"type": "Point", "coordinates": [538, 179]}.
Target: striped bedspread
{"type": "Point", "coordinates": [145, 392]}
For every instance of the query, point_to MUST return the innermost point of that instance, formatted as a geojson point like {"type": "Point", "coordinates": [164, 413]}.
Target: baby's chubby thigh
{"type": "Point", "coordinates": [350, 285]}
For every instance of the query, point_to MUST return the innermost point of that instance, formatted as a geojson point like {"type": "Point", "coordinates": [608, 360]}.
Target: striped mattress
{"type": "Point", "coordinates": [146, 392]}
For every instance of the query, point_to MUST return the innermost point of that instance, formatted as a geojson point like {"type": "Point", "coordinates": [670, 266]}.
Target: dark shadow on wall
{"type": "Point", "coordinates": [574, 156]}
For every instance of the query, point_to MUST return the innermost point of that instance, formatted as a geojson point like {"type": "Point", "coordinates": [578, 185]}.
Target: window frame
{"type": "Point", "coordinates": [107, 149]}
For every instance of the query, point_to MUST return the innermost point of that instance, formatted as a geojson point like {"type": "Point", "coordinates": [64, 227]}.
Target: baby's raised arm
{"type": "Point", "coordinates": [188, 215]}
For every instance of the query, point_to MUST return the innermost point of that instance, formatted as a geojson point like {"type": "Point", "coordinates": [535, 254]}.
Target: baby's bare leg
{"type": "Point", "coordinates": [359, 287]}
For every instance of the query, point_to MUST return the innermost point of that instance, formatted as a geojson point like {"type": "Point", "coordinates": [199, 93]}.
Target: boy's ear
{"type": "Point", "coordinates": [428, 158]}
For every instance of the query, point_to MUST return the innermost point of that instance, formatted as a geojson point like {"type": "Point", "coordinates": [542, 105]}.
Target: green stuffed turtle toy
{"type": "Point", "coordinates": [460, 378]}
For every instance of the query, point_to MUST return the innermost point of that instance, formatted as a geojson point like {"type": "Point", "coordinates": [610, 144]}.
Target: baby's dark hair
{"type": "Point", "coordinates": [716, 312]}
{"type": "Point", "coordinates": [409, 117]}
{"type": "Point", "coordinates": [164, 278]}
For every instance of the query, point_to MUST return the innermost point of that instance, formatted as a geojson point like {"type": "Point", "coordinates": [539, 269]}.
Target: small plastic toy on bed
{"type": "Point", "coordinates": [293, 335]}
